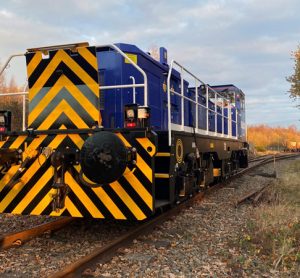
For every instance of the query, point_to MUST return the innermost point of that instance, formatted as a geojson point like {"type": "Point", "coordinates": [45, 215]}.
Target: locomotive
{"type": "Point", "coordinates": [112, 132]}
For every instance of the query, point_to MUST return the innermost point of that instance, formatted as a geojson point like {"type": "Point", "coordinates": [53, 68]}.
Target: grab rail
{"type": "Point", "coordinates": [145, 84]}
{"type": "Point", "coordinates": [197, 104]}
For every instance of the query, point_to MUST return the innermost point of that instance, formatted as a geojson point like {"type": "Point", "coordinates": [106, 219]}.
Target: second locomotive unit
{"type": "Point", "coordinates": [111, 132]}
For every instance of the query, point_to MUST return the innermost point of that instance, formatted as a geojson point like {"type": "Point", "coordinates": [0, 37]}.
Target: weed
{"type": "Point", "coordinates": [275, 228]}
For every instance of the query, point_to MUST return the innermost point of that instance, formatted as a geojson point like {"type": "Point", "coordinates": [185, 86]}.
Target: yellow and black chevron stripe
{"type": "Point", "coordinates": [63, 89]}
{"type": "Point", "coordinates": [131, 197]}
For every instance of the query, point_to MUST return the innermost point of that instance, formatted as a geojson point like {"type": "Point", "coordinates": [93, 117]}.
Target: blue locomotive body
{"type": "Point", "coordinates": [115, 70]}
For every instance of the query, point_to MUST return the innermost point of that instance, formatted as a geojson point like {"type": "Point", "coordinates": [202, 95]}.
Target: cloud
{"type": "Point", "coordinates": [245, 42]}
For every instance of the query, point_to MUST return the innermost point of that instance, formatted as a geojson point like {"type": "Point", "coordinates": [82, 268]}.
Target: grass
{"type": "Point", "coordinates": [274, 230]}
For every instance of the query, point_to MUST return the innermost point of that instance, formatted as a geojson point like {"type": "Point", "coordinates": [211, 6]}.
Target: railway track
{"type": "Point", "coordinates": [105, 253]}
{"type": "Point", "coordinates": [18, 238]}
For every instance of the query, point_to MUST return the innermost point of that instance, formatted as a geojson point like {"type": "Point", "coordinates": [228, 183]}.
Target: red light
{"type": "Point", "coordinates": [131, 124]}
{"type": "Point", "coordinates": [2, 129]}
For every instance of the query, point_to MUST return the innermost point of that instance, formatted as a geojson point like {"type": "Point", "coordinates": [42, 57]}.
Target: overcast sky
{"type": "Point", "coordinates": [244, 42]}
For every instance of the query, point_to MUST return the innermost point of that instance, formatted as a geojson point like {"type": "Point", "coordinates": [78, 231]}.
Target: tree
{"type": "Point", "coordinates": [294, 79]}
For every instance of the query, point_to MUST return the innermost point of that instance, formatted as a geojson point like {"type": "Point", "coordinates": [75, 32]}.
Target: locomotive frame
{"type": "Point", "coordinates": [65, 162]}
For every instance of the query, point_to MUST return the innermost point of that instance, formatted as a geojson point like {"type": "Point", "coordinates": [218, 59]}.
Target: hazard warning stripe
{"type": "Point", "coordinates": [141, 164]}
{"type": "Point", "coordinates": [56, 91]}
{"type": "Point", "coordinates": [61, 56]}
{"type": "Point", "coordinates": [108, 202]}
{"type": "Point", "coordinates": [37, 58]}
{"type": "Point", "coordinates": [88, 56]}
{"type": "Point", "coordinates": [63, 79]}
{"type": "Point", "coordinates": [140, 189]}
{"type": "Point", "coordinates": [28, 174]}
{"type": "Point", "coordinates": [129, 198]}
{"type": "Point", "coordinates": [63, 107]}
{"type": "Point", "coordinates": [33, 191]}
{"type": "Point", "coordinates": [2, 143]}
{"type": "Point", "coordinates": [147, 145]}
{"type": "Point", "coordinates": [128, 201]}
{"type": "Point", "coordinates": [70, 207]}
{"type": "Point", "coordinates": [90, 206]}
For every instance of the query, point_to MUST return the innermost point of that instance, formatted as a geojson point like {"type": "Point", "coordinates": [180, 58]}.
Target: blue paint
{"type": "Point", "coordinates": [113, 70]}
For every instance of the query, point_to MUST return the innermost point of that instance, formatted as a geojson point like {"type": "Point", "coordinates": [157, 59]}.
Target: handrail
{"type": "Point", "coordinates": [133, 89]}
{"type": "Point", "coordinates": [208, 89]}
{"type": "Point", "coordinates": [145, 85]}
{"type": "Point", "coordinates": [8, 61]}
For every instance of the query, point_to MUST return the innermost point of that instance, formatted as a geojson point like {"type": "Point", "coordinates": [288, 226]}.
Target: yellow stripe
{"type": "Point", "coordinates": [89, 57]}
{"type": "Point", "coordinates": [83, 75]}
{"type": "Point", "coordinates": [29, 173]}
{"type": "Point", "coordinates": [140, 189]}
{"type": "Point", "coordinates": [18, 142]}
{"type": "Point", "coordinates": [43, 203]}
{"type": "Point", "coordinates": [141, 164]}
{"type": "Point", "coordinates": [82, 99]}
{"type": "Point", "coordinates": [63, 107]}
{"type": "Point", "coordinates": [31, 194]}
{"type": "Point", "coordinates": [70, 207]}
{"type": "Point", "coordinates": [2, 143]}
{"type": "Point", "coordinates": [128, 201]}
{"type": "Point", "coordinates": [77, 140]}
{"type": "Point", "coordinates": [62, 56]}
{"type": "Point", "coordinates": [33, 146]}
{"type": "Point", "coordinates": [37, 58]}
{"type": "Point", "coordinates": [162, 176]}
{"type": "Point", "coordinates": [146, 143]}
{"type": "Point", "coordinates": [12, 170]}
{"type": "Point", "coordinates": [63, 81]}
{"type": "Point", "coordinates": [108, 202]}
{"type": "Point", "coordinates": [163, 154]}
{"type": "Point", "coordinates": [90, 206]}
{"type": "Point", "coordinates": [46, 100]}
{"type": "Point", "coordinates": [51, 67]}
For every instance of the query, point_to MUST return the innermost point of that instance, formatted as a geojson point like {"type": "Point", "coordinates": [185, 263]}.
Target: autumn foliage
{"type": "Point", "coordinates": [11, 103]}
{"type": "Point", "coordinates": [264, 137]}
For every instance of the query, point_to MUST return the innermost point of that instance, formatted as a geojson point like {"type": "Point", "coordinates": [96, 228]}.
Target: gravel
{"type": "Point", "coordinates": [14, 223]}
{"type": "Point", "coordinates": [50, 252]}
{"type": "Point", "coordinates": [202, 241]}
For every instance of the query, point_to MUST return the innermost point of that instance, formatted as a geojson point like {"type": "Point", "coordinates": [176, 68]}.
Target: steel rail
{"type": "Point", "coordinates": [20, 237]}
{"type": "Point", "coordinates": [105, 253]}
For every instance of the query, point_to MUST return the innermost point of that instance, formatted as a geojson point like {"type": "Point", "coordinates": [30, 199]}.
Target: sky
{"type": "Point", "coordinates": [244, 42]}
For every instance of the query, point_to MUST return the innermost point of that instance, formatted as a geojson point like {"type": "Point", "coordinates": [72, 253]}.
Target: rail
{"type": "Point", "coordinates": [215, 101]}
{"type": "Point", "coordinates": [105, 253]}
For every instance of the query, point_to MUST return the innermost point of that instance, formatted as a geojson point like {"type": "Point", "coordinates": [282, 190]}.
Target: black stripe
{"type": "Point", "coordinates": [78, 204]}
{"type": "Point", "coordinates": [143, 180]}
{"type": "Point", "coordinates": [40, 68]}
{"type": "Point", "coordinates": [43, 192]}
{"type": "Point", "coordinates": [27, 187]}
{"type": "Point", "coordinates": [119, 203]}
{"type": "Point", "coordinates": [95, 200]}
{"type": "Point", "coordinates": [87, 67]}
{"type": "Point", "coordinates": [37, 72]}
{"type": "Point", "coordinates": [73, 103]}
{"type": "Point", "coordinates": [62, 68]}
{"type": "Point", "coordinates": [66, 213]}
{"type": "Point", "coordinates": [29, 57]}
{"type": "Point", "coordinates": [63, 120]}
{"type": "Point", "coordinates": [135, 196]}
